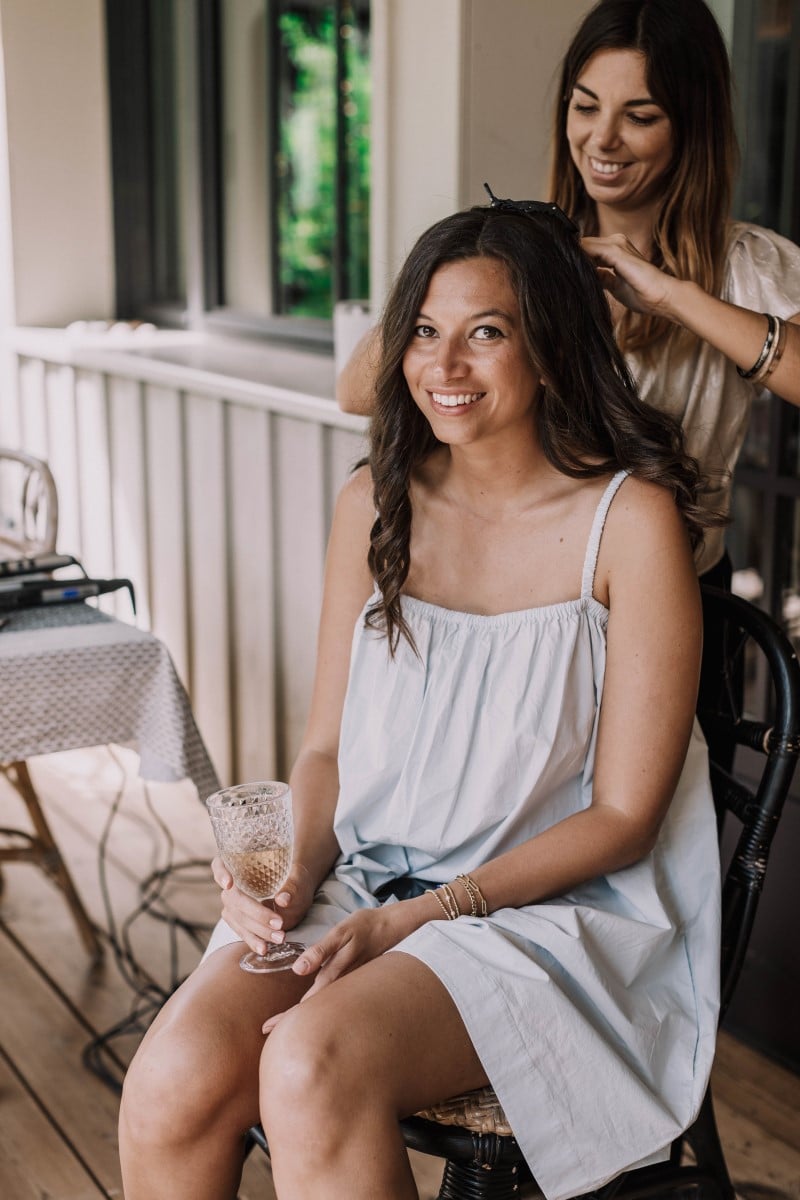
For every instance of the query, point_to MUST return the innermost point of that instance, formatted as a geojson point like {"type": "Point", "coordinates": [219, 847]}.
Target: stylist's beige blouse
{"type": "Point", "coordinates": [702, 388]}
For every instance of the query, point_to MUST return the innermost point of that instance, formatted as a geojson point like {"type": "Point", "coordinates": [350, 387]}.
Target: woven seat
{"type": "Point", "coordinates": [479, 1112]}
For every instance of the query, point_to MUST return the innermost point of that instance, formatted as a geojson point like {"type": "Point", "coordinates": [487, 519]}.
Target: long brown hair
{"type": "Point", "coordinates": [688, 75]}
{"type": "Point", "coordinates": [589, 417]}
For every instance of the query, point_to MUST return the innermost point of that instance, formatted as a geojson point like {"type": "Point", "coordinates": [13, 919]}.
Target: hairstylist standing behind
{"type": "Point", "coordinates": [706, 310]}
{"type": "Point", "coordinates": [643, 161]}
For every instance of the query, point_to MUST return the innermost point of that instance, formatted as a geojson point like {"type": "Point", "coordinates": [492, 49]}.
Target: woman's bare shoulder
{"type": "Point", "coordinates": [645, 542]}
{"type": "Point", "coordinates": [356, 497]}
{"type": "Point", "coordinates": [643, 509]}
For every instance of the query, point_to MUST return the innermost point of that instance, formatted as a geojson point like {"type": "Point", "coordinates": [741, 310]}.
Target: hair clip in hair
{"type": "Point", "coordinates": [529, 207]}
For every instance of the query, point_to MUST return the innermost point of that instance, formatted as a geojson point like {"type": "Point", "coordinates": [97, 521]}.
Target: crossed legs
{"type": "Point", "coordinates": [329, 1083]}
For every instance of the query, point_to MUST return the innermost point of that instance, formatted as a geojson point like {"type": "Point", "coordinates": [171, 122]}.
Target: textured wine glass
{"type": "Point", "coordinates": [252, 824]}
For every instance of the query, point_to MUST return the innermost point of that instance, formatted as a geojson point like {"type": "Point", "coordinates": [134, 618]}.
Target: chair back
{"type": "Point", "coordinates": [28, 506]}
{"type": "Point", "coordinates": [759, 650]}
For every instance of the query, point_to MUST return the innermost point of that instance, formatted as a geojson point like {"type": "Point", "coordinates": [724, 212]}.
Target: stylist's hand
{"type": "Point", "coordinates": [354, 941]}
{"type": "Point", "coordinates": [628, 276]}
{"type": "Point", "coordinates": [258, 922]}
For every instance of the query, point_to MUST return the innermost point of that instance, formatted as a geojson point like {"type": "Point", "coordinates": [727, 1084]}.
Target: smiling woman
{"type": "Point", "coordinates": [476, 376]}
{"type": "Point", "coordinates": [499, 858]}
{"type": "Point", "coordinates": [644, 157]}
{"type": "Point", "coordinates": [619, 136]}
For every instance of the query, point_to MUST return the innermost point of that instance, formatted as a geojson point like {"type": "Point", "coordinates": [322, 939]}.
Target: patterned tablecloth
{"type": "Point", "coordinates": [71, 676]}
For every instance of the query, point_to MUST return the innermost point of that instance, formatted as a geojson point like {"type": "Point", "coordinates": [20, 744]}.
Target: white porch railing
{"type": "Point", "coordinates": [213, 493]}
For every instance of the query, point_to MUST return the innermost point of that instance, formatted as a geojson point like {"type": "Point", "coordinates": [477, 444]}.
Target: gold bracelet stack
{"type": "Point", "coordinates": [477, 902]}
{"type": "Point", "coordinates": [445, 897]}
{"type": "Point", "coordinates": [771, 351]}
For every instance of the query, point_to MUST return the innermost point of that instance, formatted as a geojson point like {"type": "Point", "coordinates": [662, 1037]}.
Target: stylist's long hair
{"type": "Point", "coordinates": [589, 417]}
{"type": "Point", "coordinates": [688, 75]}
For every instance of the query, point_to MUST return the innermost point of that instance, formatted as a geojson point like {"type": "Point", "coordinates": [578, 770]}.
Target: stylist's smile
{"type": "Point", "coordinates": [607, 168]}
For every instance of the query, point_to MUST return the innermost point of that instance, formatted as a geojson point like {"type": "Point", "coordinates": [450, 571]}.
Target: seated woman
{"type": "Point", "coordinates": [501, 780]}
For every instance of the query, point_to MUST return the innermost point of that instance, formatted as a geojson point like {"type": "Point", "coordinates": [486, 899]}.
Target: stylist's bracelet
{"type": "Point", "coordinates": [771, 351]}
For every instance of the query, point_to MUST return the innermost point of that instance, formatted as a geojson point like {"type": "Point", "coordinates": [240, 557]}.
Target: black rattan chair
{"type": "Point", "coordinates": [482, 1158]}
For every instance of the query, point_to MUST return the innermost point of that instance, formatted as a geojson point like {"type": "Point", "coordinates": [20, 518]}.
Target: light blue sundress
{"type": "Point", "coordinates": [594, 1014]}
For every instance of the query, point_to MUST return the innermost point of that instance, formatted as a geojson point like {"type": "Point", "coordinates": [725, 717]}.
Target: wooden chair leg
{"type": "Point", "coordinates": [46, 854]}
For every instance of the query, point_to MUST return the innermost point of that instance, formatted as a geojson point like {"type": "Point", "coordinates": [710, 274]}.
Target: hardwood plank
{"type": "Point", "coordinates": [78, 1104]}
{"type": "Point", "coordinates": [762, 1091]}
{"type": "Point", "coordinates": [35, 1162]}
{"type": "Point", "coordinates": [33, 909]}
{"type": "Point", "coordinates": [759, 1164]}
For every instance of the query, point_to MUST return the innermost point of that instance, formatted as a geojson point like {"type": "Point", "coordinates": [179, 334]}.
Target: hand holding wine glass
{"type": "Point", "coordinates": [252, 824]}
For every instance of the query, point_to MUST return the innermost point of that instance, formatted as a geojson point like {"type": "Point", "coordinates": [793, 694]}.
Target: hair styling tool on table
{"type": "Point", "coordinates": [37, 564]}
{"type": "Point", "coordinates": [31, 593]}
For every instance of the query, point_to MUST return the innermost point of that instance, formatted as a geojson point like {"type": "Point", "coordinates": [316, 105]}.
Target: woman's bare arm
{"type": "Point", "coordinates": [315, 778]}
{"type": "Point", "coordinates": [355, 386]}
{"type": "Point", "coordinates": [736, 332]}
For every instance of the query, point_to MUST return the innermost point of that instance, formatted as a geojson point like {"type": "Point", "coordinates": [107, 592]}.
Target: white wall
{"type": "Point", "coordinates": [463, 93]}
{"type": "Point", "coordinates": [58, 163]}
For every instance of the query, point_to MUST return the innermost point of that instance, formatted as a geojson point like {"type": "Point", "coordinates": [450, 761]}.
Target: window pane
{"type": "Point", "coordinates": [355, 117]}
{"type": "Point", "coordinates": [788, 530]}
{"type": "Point", "coordinates": [762, 182]}
{"type": "Point", "coordinates": [321, 112]}
{"type": "Point", "coordinates": [246, 284]}
{"type": "Point", "coordinates": [167, 246]}
{"type": "Point", "coordinates": [755, 451]}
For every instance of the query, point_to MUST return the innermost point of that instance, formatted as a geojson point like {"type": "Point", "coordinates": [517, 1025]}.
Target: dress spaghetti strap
{"type": "Point", "coordinates": [593, 545]}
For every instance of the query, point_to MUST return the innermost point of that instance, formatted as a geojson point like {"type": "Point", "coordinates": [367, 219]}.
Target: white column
{"type": "Point", "coordinates": [462, 92]}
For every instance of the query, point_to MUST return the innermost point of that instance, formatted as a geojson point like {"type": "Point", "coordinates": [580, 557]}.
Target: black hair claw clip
{"type": "Point", "coordinates": [531, 207]}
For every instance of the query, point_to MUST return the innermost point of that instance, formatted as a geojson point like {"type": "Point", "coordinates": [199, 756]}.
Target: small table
{"type": "Point", "coordinates": [71, 676]}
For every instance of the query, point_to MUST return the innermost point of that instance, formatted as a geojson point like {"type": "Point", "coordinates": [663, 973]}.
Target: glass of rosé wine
{"type": "Point", "coordinates": [252, 824]}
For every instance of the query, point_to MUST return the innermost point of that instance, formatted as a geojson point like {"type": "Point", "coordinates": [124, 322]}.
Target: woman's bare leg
{"type": "Point", "coordinates": [340, 1070]}
{"type": "Point", "coordinates": [191, 1092]}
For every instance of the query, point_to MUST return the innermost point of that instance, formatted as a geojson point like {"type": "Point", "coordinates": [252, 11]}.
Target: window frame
{"type": "Point", "coordinates": [199, 193]}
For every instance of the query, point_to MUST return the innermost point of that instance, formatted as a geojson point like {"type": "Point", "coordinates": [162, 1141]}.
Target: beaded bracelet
{"type": "Point", "coordinates": [448, 916]}
{"type": "Point", "coordinates": [773, 328]}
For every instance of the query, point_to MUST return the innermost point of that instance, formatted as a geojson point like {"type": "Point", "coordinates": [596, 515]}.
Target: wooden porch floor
{"type": "Point", "coordinates": [58, 1119]}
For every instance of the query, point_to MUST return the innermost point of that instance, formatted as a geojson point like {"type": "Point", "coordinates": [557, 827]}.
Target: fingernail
{"type": "Point", "coordinates": [261, 947]}
{"type": "Point", "coordinates": [301, 966]}
{"type": "Point", "coordinates": [282, 898]}
{"type": "Point", "coordinates": [277, 937]}
{"type": "Point", "coordinates": [276, 923]}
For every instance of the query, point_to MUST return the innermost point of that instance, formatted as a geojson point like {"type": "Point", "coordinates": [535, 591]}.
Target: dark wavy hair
{"type": "Point", "coordinates": [589, 417]}
{"type": "Point", "coordinates": [688, 75]}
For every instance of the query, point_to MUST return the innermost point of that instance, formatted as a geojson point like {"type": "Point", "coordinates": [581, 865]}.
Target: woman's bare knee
{"type": "Point", "coordinates": [196, 1065]}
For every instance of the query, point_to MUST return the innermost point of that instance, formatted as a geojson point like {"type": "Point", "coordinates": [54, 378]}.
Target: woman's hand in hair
{"type": "Point", "coordinates": [628, 276]}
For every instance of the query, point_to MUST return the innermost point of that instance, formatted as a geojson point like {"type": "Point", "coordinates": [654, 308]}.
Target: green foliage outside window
{"type": "Point", "coordinates": [323, 158]}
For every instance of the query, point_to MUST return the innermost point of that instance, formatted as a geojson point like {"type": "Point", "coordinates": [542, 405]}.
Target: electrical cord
{"type": "Point", "coordinates": [99, 1055]}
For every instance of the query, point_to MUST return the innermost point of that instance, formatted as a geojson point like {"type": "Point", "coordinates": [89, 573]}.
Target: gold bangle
{"type": "Point", "coordinates": [769, 341]}
{"type": "Point", "coordinates": [777, 353]}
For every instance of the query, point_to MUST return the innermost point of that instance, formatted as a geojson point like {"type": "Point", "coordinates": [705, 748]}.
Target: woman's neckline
{"type": "Point", "coordinates": [557, 606]}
